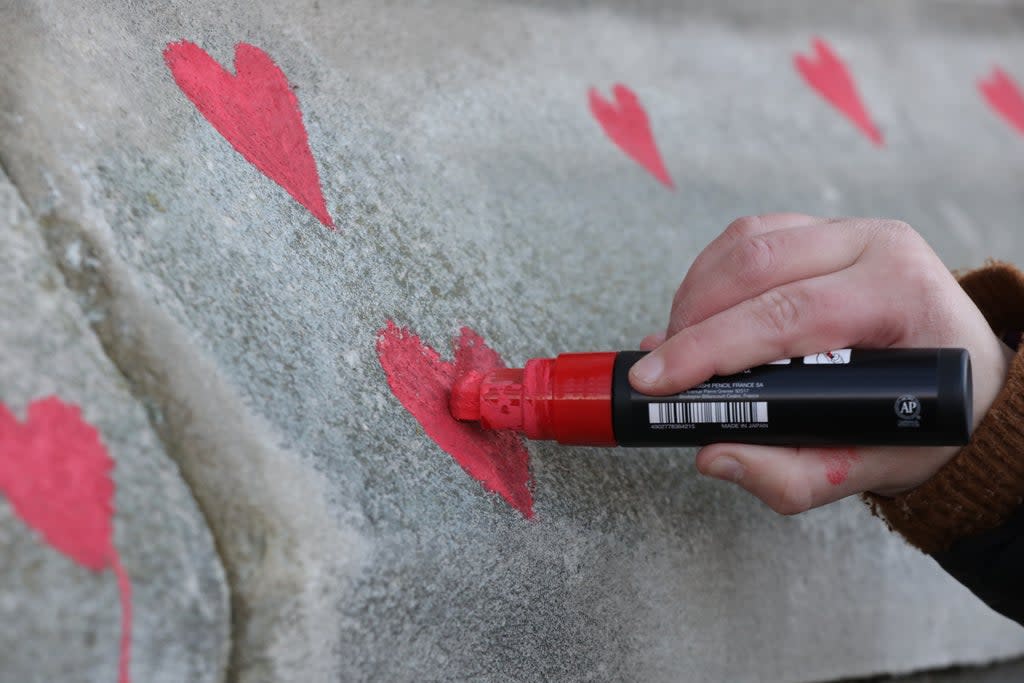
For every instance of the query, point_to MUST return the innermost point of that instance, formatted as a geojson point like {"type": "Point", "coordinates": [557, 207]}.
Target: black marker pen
{"type": "Point", "coordinates": [908, 397]}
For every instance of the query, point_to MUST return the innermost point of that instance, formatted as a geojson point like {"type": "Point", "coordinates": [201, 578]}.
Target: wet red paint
{"type": "Point", "coordinates": [625, 122]}
{"type": "Point", "coordinates": [257, 112]}
{"type": "Point", "coordinates": [838, 462]}
{"type": "Point", "coordinates": [1004, 96]}
{"type": "Point", "coordinates": [421, 381]}
{"type": "Point", "coordinates": [55, 473]}
{"type": "Point", "coordinates": [827, 74]}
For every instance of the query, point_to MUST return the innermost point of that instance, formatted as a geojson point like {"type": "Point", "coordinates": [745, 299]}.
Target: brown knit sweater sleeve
{"type": "Point", "coordinates": [984, 483]}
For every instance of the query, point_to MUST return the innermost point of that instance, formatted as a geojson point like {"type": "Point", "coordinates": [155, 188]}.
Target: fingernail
{"type": "Point", "coordinates": [648, 369]}
{"type": "Point", "coordinates": [725, 468]}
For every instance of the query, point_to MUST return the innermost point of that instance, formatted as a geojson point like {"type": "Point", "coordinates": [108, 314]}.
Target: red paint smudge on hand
{"type": "Point", "coordinates": [421, 381]}
{"type": "Point", "coordinates": [827, 74]}
{"type": "Point", "coordinates": [257, 112]}
{"type": "Point", "coordinates": [838, 462]}
{"type": "Point", "coordinates": [1004, 96]}
{"type": "Point", "coordinates": [55, 472]}
{"type": "Point", "coordinates": [626, 124]}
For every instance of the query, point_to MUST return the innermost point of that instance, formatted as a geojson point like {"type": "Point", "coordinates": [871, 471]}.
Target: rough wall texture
{"type": "Point", "coordinates": [470, 185]}
{"type": "Point", "coordinates": [59, 620]}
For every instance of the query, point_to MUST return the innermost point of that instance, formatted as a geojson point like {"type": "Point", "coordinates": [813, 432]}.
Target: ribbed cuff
{"type": "Point", "coordinates": [984, 483]}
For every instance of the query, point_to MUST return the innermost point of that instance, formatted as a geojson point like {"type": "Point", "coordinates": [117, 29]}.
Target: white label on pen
{"type": "Point", "coordinates": [837, 357]}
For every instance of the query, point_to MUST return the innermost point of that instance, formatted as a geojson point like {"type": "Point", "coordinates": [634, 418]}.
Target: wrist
{"type": "Point", "coordinates": [983, 483]}
{"type": "Point", "coordinates": [990, 371]}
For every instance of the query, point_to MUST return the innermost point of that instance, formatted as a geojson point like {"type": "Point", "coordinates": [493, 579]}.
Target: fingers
{"type": "Point", "coordinates": [785, 286]}
{"type": "Point", "coordinates": [757, 262]}
{"type": "Point", "coordinates": [788, 480]}
{"type": "Point", "coordinates": [834, 311]}
{"type": "Point", "coordinates": [793, 480]}
{"type": "Point", "coordinates": [737, 232]}
{"type": "Point", "coordinates": [652, 341]}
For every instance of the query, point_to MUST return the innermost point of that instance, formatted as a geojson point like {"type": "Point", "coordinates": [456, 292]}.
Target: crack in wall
{"type": "Point", "coordinates": [249, 493]}
{"type": "Point", "coordinates": [92, 296]}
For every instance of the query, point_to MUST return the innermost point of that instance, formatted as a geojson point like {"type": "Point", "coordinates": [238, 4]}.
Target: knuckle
{"type": "Point", "coordinates": [933, 311]}
{"type": "Point", "coordinates": [779, 312]}
{"type": "Point", "coordinates": [754, 260]}
{"type": "Point", "coordinates": [744, 227]}
{"type": "Point", "coordinates": [919, 272]}
{"type": "Point", "coordinates": [912, 275]}
{"type": "Point", "coordinates": [901, 236]}
{"type": "Point", "coordinates": [927, 282]}
{"type": "Point", "coordinates": [901, 229]}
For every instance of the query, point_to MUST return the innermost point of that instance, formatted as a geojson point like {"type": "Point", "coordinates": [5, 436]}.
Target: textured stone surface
{"type": "Point", "coordinates": [60, 621]}
{"type": "Point", "coordinates": [471, 186]}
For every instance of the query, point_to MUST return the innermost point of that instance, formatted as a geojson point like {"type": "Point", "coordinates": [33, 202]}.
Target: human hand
{"type": "Point", "coordinates": [787, 285]}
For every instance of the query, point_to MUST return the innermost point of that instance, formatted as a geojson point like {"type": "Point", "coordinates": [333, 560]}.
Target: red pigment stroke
{"type": "Point", "coordinates": [625, 123]}
{"type": "Point", "coordinates": [257, 112]}
{"type": "Point", "coordinates": [827, 74]}
{"type": "Point", "coordinates": [55, 472]}
{"type": "Point", "coordinates": [1004, 96]}
{"type": "Point", "coordinates": [838, 462]}
{"type": "Point", "coordinates": [421, 381]}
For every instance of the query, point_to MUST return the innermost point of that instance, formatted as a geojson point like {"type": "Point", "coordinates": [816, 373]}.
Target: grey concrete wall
{"type": "Point", "coordinates": [61, 620]}
{"type": "Point", "coordinates": [470, 185]}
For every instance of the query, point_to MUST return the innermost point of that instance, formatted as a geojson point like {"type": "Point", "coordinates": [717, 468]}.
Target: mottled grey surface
{"type": "Point", "coordinates": [58, 620]}
{"type": "Point", "coordinates": [471, 186]}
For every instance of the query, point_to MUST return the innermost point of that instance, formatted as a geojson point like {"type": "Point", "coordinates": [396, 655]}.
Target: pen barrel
{"type": "Point", "coordinates": [897, 397]}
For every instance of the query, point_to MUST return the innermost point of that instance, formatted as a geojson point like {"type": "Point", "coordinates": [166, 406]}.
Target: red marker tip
{"type": "Point", "coordinates": [494, 399]}
{"type": "Point", "coordinates": [464, 400]}
{"type": "Point", "coordinates": [567, 399]}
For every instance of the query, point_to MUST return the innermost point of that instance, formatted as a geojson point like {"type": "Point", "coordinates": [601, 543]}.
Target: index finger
{"type": "Point", "coordinates": [797, 319]}
{"type": "Point", "coordinates": [738, 232]}
{"type": "Point", "coordinates": [766, 260]}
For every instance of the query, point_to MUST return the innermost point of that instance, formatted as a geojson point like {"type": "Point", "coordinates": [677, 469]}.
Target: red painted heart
{"type": "Point", "coordinates": [421, 381]}
{"type": "Point", "coordinates": [827, 74]}
{"type": "Point", "coordinates": [55, 472]}
{"type": "Point", "coordinates": [625, 123]}
{"type": "Point", "coordinates": [1003, 95]}
{"type": "Point", "coordinates": [257, 112]}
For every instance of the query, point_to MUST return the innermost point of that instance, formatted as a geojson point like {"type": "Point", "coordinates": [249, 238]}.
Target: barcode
{"type": "Point", "coordinates": [682, 413]}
